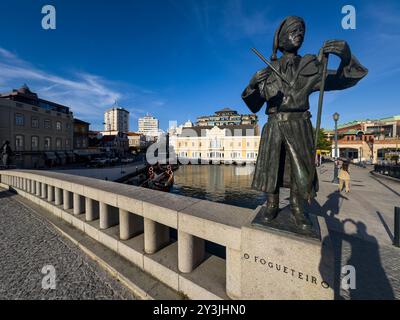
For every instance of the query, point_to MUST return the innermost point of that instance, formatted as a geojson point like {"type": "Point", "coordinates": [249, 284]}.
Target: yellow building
{"type": "Point", "coordinates": [224, 144]}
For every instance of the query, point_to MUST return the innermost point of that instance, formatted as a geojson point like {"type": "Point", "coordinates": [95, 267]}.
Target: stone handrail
{"type": "Point", "coordinates": [135, 222]}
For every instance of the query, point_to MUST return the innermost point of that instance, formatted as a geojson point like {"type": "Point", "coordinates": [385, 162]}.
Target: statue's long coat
{"type": "Point", "coordinates": [285, 156]}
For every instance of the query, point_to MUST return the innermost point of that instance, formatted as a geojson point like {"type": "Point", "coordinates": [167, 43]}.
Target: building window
{"type": "Point", "coordinates": [34, 143]}
{"type": "Point", "coordinates": [47, 143]}
{"type": "Point", "coordinates": [47, 124]}
{"type": "Point", "coordinates": [58, 126]}
{"type": "Point", "coordinates": [192, 144]}
{"type": "Point", "coordinates": [239, 144]}
{"type": "Point", "coordinates": [19, 119]}
{"type": "Point", "coordinates": [235, 155]}
{"type": "Point", "coordinates": [35, 123]}
{"type": "Point", "coordinates": [67, 144]}
{"type": "Point", "coordinates": [248, 144]}
{"type": "Point", "coordinates": [58, 143]}
{"type": "Point", "coordinates": [19, 142]}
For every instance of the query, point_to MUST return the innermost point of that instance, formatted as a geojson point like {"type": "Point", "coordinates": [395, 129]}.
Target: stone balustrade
{"type": "Point", "coordinates": [137, 222]}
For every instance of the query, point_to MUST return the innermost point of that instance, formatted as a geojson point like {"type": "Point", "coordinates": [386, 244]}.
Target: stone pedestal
{"type": "Point", "coordinates": [281, 264]}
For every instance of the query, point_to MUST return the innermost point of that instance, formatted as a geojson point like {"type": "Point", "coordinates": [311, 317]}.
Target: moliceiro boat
{"type": "Point", "coordinates": [161, 179]}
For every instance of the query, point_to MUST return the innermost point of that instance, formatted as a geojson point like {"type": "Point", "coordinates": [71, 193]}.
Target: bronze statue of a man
{"type": "Point", "coordinates": [285, 157]}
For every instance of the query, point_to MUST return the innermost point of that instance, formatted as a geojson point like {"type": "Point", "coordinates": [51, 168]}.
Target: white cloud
{"type": "Point", "coordinates": [7, 54]}
{"type": "Point", "coordinates": [87, 95]}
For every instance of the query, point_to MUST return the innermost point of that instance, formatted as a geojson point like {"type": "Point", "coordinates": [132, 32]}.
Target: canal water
{"type": "Point", "coordinates": [227, 184]}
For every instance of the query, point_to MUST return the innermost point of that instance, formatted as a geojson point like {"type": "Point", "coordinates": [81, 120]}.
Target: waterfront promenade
{"type": "Point", "coordinates": [107, 173]}
{"type": "Point", "coordinates": [360, 225]}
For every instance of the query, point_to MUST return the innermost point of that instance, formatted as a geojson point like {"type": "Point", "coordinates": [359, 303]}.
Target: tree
{"type": "Point", "coordinates": [323, 143]}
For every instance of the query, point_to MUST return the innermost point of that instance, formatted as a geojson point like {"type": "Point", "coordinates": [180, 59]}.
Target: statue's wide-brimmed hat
{"type": "Point", "coordinates": [282, 29]}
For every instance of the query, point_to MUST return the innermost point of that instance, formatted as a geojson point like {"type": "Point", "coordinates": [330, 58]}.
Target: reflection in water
{"type": "Point", "coordinates": [219, 183]}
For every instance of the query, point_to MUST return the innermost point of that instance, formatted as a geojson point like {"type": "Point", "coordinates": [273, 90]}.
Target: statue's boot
{"type": "Point", "coordinates": [297, 206]}
{"type": "Point", "coordinates": [270, 210]}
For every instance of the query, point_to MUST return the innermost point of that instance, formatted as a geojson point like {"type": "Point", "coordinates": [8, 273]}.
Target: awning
{"type": "Point", "coordinates": [50, 155]}
{"type": "Point", "coordinates": [86, 153]}
{"type": "Point", "coordinates": [69, 154]}
{"type": "Point", "coordinates": [82, 153]}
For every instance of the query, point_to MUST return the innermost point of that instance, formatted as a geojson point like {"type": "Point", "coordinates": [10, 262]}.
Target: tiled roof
{"type": "Point", "coordinates": [245, 129]}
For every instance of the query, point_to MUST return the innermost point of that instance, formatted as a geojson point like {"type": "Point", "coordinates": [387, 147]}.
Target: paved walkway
{"type": "Point", "coordinates": [111, 174]}
{"type": "Point", "coordinates": [28, 243]}
{"type": "Point", "coordinates": [371, 202]}
{"type": "Point", "coordinates": [361, 226]}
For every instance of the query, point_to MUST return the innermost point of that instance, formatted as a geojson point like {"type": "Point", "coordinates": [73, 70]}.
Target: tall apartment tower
{"type": "Point", "coordinates": [116, 119]}
{"type": "Point", "coordinates": [148, 125]}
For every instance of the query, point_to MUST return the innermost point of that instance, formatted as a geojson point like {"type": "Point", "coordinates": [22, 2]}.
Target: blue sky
{"type": "Point", "coordinates": [179, 59]}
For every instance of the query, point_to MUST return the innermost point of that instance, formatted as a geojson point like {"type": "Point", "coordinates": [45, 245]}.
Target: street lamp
{"type": "Point", "coordinates": [336, 169]}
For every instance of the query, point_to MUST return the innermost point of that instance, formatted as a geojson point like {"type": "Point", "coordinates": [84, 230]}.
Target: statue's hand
{"type": "Point", "coordinates": [339, 48]}
{"type": "Point", "coordinates": [259, 77]}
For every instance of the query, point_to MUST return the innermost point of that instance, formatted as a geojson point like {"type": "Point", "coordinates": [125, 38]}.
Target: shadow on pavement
{"type": "Point", "coordinates": [360, 250]}
{"type": "Point", "coordinates": [5, 194]}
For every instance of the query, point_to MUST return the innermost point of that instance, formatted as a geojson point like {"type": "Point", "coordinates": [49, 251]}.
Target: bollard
{"type": "Point", "coordinates": [396, 241]}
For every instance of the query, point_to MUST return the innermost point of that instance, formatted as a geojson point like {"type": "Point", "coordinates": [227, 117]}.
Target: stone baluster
{"type": "Point", "coordinates": [67, 200]}
{"type": "Point", "coordinates": [50, 193]}
{"type": "Point", "coordinates": [191, 251]}
{"type": "Point", "coordinates": [44, 191]}
{"type": "Point", "coordinates": [38, 188]}
{"type": "Point", "coordinates": [91, 209]}
{"type": "Point", "coordinates": [58, 196]}
{"type": "Point", "coordinates": [78, 204]}
{"type": "Point", "coordinates": [156, 236]}
{"type": "Point", "coordinates": [130, 225]}
{"type": "Point", "coordinates": [104, 215]}
{"type": "Point", "coordinates": [33, 187]}
{"type": "Point", "coordinates": [108, 216]}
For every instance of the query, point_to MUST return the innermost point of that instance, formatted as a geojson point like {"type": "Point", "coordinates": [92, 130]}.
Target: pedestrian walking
{"type": "Point", "coordinates": [6, 153]}
{"type": "Point", "coordinates": [344, 177]}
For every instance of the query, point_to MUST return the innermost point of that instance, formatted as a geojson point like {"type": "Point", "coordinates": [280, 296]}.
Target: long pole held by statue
{"type": "Point", "coordinates": [324, 60]}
